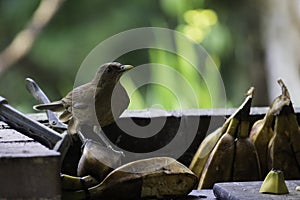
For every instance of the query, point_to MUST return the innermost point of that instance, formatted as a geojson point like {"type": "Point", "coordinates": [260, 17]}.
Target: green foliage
{"type": "Point", "coordinates": [79, 26]}
{"type": "Point", "coordinates": [197, 24]}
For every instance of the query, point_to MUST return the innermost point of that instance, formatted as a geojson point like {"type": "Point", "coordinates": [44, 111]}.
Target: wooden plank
{"type": "Point", "coordinates": [28, 170]}
{"type": "Point", "coordinates": [30, 177]}
{"type": "Point", "coordinates": [10, 135]}
{"type": "Point", "coordinates": [200, 195]}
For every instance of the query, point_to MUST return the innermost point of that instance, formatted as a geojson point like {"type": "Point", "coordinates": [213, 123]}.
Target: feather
{"type": "Point", "coordinates": [65, 116]}
{"type": "Point", "coordinates": [55, 106]}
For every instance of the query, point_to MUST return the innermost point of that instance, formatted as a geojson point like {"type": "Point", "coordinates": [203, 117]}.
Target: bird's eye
{"type": "Point", "coordinates": [122, 68]}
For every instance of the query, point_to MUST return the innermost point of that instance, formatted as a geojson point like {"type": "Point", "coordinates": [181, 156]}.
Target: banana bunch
{"type": "Point", "coordinates": [283, 148]}
{"type": "Point", "coordinates": [158, 177]}
{"type": "Point", "coordinates": [209, 142]}
{"type": "Point", "coordinates": [277, 137]}
{"type": "Point", "coordinates": [263, 130]}
{"type": "Point", "coordinates": [228, 154]}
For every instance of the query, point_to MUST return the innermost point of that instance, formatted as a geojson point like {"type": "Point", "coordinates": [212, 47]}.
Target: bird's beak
{"type": "Point", "coordinates": [125, 68]}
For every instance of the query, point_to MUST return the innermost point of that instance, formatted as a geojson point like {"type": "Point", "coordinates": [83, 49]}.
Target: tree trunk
{"type": "Point", "coordinates": [281, 39]}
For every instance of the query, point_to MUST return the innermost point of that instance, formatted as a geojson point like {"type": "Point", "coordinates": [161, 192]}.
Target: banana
{"type": "Point", "coordinates": [148, 178]}
{"type": "Point", "coordinates": [281, 155]}
{"type": "Point", "coordinates": [283, 147]}
{"type": "Point", "coordinates": [261, 134]}
{"type": "Point", "coordinates": [220, 163]}
{"type": "Point", "coordinates": [246, 165]}
{"type": "Point", "coordinates": [294, 135]}
{"type": "Point", "coordinates": [263, 130]}
{"type": "Point", "coordinates": [97, 160]}
{"type": "Point", "coordinates": [218, 167]}
{"type": "Point", "coordinates": [205, 149]}
{"type": "Point", "coordinates": [77, 183]}
{"type": "Point", "coordinates": [292, 130]}
{"type": "Point", "coordinates": [200, 158]}
{"type": "Point", "coordinates": [274, 183]}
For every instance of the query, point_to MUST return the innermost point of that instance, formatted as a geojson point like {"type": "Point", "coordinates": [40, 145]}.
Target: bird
{"type": "Point", "coordinates": [92, 103]}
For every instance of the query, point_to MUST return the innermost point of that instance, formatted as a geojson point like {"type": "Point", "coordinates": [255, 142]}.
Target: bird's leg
{"type": "Point", "coordinates": [100, 133]}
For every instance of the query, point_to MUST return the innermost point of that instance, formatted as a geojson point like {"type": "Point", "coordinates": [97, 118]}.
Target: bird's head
{"type": "Point", "coordinates": [111, 72]}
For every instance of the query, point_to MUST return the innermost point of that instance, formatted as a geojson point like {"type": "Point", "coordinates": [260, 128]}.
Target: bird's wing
{"type": "Point", "coordinates": [80, 105]}
{"type": "Point", "coordinates": [121, 101]}
{"type": "Point", "coordinates": [79, 98]}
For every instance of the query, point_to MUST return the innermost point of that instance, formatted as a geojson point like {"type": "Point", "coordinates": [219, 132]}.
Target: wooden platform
{"type": "Point", "coordinates": [28, 170]}
{"type": "Point", "coordinates": [250, 191]}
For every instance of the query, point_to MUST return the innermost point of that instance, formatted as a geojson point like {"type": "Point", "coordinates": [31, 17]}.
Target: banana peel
{"type": "Point", "coordinates": [283, 147]}
{"type": "Point", "coordinates": [205, 148]}
{"type": "Point", "coordinates": [220, 161]}
{"type": "Point", "coordinates": [77, 183]}
{"type": "Point", "coordinates": [97, 160]}
{"type": "Point", "coordinates": [207, 145]}
{"type": "Point", "coordinates": [294, 135]}
{"type": "Point", "coordinates": [281, 155]}
{"type": "Point", "coordinates": [274, 183]}
{"type": "Point", "coordinates": [277, 137]}
{"type": "Point", "coordinates": [234, 157]}
{"type": "Point", "coordinates": [261, 134]}
{"type": "Point", "coordinates": [158, 177]}
{"type": "Point", "coordinates": [246, 165]}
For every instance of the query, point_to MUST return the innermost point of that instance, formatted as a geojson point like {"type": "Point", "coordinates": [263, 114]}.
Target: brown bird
{"type": "Point", "coordinates": [92, 103]}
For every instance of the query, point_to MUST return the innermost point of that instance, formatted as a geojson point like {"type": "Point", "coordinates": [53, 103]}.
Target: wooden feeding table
{"type": "Point", "coordinates": [250, 190]}
{"type": "Point", "coordinates": [27, 169]}
{"type": "Point", "coordinates": [30, 170]}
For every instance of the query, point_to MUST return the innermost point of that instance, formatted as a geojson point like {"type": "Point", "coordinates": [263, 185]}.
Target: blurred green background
{"type": "Point", "coordinates": [228, 30]}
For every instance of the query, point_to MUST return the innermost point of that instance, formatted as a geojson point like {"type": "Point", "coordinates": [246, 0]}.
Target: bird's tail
{"type": "Point", "coordinates": [55, 106]}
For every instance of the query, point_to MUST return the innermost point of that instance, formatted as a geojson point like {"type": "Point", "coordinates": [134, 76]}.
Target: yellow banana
{"type": "Point", "coordinates": [148, 178]}
{"type": "Point", "coordinates": [274, 183]}
{"type": "Point", "coordinates": [77, 183]}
